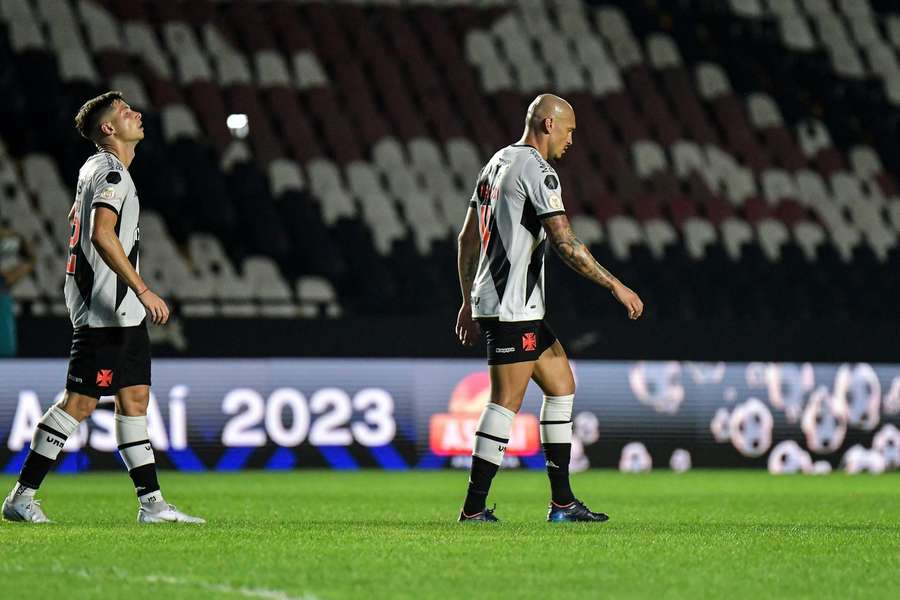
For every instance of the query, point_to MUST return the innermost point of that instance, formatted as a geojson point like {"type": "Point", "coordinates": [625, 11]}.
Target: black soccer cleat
{"type": "Point", "coordinates": [574, 512]}
{"type": "Point", "coordinates": [485, 515]}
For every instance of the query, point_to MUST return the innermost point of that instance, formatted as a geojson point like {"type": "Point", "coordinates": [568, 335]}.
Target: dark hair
{"type": "Point", "coordinates": [87, 121]}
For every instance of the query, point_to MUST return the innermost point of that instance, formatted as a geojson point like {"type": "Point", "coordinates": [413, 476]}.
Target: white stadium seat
{"type": "Point", "coordinates": [712, 81]}
{"type": "Point", "coordinates": [698, 234]}
{"type": "Point", "coordinates": [809, 237]}
{"type": "Point", "coordinates": [624, 232]}
{"type": "Point", "coordinates": [660, 235]}
{"type": "Point", "coordinates": [763, 111]}
{"type": "Point", "coordinates": [772, 236]}
{"type": "Point", "coordinates": [308, 73]}
{"type": "Point", "coordinates": [648, 158]}
{"type": "Point", "coordinates": [796, 33]}
{"type": "Point", "coordinates": [662, 51]}
{"type": "Point", "coordinates": [735, 233]}
{"type": "Point", "coordinates": [747, 8]}
{"type": "Point", "coordinates": [271, 69]}
{"type": "Point", "coordinates": [285, 175]}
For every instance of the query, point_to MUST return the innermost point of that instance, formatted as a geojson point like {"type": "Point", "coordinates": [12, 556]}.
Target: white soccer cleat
{"type": "Point", "coordinates": [24, 509]}
{"type": "Point", "coordinates": [170, 514]}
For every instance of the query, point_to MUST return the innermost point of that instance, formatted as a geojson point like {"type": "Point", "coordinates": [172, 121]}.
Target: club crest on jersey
{"type": "Point", "coordinates": [107, 193]}
{"type": "Point", "coordinates": [104, 378]}
{"type": "Point", "coordinates": [529, 341]}
{"type": "Point", "coordinates": [551, 182]}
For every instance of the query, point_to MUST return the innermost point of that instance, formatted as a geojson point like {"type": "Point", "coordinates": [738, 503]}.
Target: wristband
{"type": "Point", "coordinates": [142, 291]}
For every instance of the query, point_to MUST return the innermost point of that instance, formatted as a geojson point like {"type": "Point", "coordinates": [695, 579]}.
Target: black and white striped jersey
{"type": "Point", "coordinates": [515, 190]}
{"type": "Point", "coordinates": [95, 295]}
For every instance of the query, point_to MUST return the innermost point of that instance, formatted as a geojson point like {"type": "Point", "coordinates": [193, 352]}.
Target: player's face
{"type": "Point", "coordinates": [561, 136]}
{"type": "Point", "coordinates": [127, 122]}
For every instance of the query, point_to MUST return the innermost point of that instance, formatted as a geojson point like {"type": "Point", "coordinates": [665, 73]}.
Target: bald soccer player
{"type": "Point", "coordinates": [516, 207]}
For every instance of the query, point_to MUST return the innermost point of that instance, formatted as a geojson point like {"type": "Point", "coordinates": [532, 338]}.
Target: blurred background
{"type": "Point", "coordinates": [307, 166]}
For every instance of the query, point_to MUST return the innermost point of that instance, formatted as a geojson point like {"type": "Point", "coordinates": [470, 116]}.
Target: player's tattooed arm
{"type": "Point", "coordinates": [467, 254]}
{"type": "Point", "coordinates": [574, 253]}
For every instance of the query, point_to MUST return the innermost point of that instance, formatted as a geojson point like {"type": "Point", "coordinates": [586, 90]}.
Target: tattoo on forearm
{"type": "Point", "coordinates": [575, 254]}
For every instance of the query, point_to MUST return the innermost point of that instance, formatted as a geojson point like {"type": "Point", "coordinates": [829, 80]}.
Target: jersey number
{"type": "Point", "coordinates": [73, 244]}
{"type": "Point", "coordinates": [488, 191]}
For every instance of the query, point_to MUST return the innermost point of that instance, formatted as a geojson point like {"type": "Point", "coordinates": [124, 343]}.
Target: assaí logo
{"type": "Point", "coordinates": [453, 433]}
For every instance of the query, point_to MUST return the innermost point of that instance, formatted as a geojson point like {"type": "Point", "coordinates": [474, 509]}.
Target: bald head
{"type": "Point", "coordinates": [549, 125]}
{"type": "Point", "coordinates": [547, 106]}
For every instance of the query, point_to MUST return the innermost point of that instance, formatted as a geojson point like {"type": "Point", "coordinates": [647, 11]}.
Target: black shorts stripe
{"type": "Point", "coordinates": [492, 437]}
{"type": "Point", "coordinates": [130, 444]}
{"type": "Point", "coordinates": [555, 422]}
{"type": "Point", "coordinates": [52, 431]}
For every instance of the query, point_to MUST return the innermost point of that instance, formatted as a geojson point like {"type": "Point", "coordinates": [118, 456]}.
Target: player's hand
{"type": "Point", "coordinates": [156, 306]}
{"type": "Point", "coordinates": [467, 329]}
{"type": "Point", "coordinates": [631, 301]}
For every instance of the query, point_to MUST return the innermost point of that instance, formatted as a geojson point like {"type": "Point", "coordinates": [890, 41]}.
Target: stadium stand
{"type": "Point", "coordinates": [742, 184]}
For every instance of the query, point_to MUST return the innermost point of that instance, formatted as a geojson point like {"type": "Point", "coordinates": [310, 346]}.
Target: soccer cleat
{"type": "Point", "coordinates": [576, 511]}
{"type": "Point", "coordinates": [485, 515]}
{"type": "Point", "coordinates": [170, 514]}
{"type": "Point", "coordinates": [25, 510]}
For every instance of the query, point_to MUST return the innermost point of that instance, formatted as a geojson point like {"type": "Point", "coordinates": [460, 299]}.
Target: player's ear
{"type": "Point", "coordinates": [106, 128]}
{"type": "Point", "coordinates": [548, 125]}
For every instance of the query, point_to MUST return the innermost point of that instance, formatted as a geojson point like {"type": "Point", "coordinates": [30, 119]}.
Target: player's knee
{"type": "Point", "coordinates": [132, 407]}
{"type": "Point", "coordinates": [560, 386]}
{"type": "Point", "coordinates": [513, 403]}
{"type": "Point", "coordinates": [78, 406]}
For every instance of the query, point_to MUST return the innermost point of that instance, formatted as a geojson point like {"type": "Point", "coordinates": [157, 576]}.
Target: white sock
{"type": "Point", "coordinates": [153, 501]}
{"type": "Point", "coordinates": [133, 441]}
{"type": "Point", "coordinates": [21, 491]}
{"type": "Point", "coordinates": [52, 431]}
{"type": "Point", "coordinates": [492, 434]}
{"type": "Point", "coordinates": [136, 452]}
{"type": "Point", "coordinates": [556, 419]}
{"type": "Point", "coordinates": [48, 440]}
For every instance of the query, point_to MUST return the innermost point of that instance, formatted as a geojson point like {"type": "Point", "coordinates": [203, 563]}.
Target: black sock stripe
{"type": "Point", "coordinates": [130, 444]}
{"type": "Point", "coordinates": [555, 422]}
{"type": "Point", "coordinates": [52, 431]}
{"type": "Point", "coordinates": [492, 437]}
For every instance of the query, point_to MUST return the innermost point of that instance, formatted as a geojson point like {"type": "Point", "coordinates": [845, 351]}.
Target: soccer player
{"type": "Point", "coordinates": [516, 207]}
{"type": "Point", "coordinates": [108, 303]}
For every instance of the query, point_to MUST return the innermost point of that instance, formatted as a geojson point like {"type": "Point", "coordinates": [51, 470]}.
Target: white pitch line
{"type": "Point", "coordinates": [224, 588]}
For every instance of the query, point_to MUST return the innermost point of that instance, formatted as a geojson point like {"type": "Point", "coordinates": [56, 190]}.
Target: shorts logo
{"type": "Point", "coordinates": [529, 341]}
{"type": "Point", "coordinates": [104, 378]}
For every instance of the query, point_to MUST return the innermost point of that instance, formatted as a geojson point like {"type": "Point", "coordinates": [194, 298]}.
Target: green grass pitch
{"type": "Point", "coordinates": [703, 534]}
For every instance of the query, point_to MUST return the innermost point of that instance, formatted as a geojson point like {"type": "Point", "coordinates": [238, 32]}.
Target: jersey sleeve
{"type": "Point", "coordinates": [543, 189]}
{"type": "Point", "coordinates": [110, 189]}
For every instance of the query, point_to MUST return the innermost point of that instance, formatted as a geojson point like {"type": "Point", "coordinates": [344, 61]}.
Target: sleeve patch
{"type": "Point", "coordinates": [113, 177]}
{"type": "Point", "coordinates": [108, 193]}
{"type": "Point", "coordinates": [551, 182]}
{"type": "Point", "coordinates": [556, 201]}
